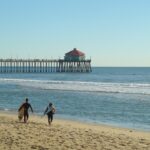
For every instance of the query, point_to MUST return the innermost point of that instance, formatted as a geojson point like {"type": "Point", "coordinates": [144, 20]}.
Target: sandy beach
{"type": "Point", "coordinates": [67, 135]}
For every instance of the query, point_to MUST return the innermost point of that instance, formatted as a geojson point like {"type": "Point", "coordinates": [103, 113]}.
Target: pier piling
{"type": "Point", "coordinates": [43, 65]}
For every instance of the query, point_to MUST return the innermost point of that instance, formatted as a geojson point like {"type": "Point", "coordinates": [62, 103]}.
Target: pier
{"type": "Point", "coordinates": [43, 65]}
{"type": "Point", "coordinates": [74, 61]}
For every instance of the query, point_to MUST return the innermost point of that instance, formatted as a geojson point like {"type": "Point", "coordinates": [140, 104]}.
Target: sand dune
{"type": "Point", "coordinates": [67, 135]}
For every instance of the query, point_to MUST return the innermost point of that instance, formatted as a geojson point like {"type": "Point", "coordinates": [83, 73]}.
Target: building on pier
{"type": "Point", "coordinates": [75, 55]}
{"type": "Point", "coordinates": [74, 61]}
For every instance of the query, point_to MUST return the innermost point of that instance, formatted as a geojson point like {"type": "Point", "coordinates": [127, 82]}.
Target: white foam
{"type": "Point", "coordinates": [81, 86]}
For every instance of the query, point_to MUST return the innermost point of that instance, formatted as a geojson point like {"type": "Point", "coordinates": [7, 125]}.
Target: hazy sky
{"type": "Point", "coordinates": [111, 32]}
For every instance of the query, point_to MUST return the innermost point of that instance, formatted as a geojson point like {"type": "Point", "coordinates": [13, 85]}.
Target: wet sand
{"type": "Point", "coordinates": [67, 135]}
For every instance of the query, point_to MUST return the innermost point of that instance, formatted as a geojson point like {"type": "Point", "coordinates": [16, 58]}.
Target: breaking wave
{"type": "Point", "coordinates": [135, 88]}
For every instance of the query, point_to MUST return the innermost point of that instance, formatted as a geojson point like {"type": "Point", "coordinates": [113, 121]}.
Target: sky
{"type": "Point", "coordinates": [109, 32]}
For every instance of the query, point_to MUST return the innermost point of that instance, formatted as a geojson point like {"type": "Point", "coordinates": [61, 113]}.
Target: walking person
{"type": "Point", "coordinates": [25, 107]}
{"type": "Point", "coordinates": [50, 111]}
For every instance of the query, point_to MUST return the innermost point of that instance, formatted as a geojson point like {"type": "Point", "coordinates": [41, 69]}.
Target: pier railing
{"type": "Point", "coordinates": [43, 65]}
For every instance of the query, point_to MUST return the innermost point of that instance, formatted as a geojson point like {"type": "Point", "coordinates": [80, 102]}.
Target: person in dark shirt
{"type": "Point", "coordinates": [26, 106]}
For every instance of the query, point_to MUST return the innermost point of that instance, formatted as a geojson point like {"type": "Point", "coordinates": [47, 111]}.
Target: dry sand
{"type": "Point", "coordinates": [67, 135]}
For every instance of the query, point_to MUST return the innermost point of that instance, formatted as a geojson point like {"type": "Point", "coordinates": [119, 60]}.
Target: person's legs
{"type": "Point", "coordinates": [26, 116]}
{"type": "Point", "coordinates": [50, 118]}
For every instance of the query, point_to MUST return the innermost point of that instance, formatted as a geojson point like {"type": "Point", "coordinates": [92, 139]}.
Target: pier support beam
{"type": "Point", "coordinates": [43, 66]}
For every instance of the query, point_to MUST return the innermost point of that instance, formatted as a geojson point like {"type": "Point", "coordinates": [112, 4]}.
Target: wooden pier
{"type": "Point", "coordinates": [43, 65]}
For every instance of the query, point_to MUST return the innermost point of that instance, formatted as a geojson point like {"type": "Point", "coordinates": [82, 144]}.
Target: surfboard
{"type": "Point", "coordinates": [21, 114]}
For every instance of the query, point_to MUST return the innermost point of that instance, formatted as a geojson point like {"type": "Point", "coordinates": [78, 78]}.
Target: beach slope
{"type": "Point", "coordinates": [67, 135]}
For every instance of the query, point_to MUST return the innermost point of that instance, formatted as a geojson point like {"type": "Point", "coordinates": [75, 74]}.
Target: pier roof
{"type": "Point", "coordinates": [75, 52]}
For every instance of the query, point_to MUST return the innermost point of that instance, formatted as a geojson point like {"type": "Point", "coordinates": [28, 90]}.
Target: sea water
{"type": "Point", "coordinates": [118, 96]}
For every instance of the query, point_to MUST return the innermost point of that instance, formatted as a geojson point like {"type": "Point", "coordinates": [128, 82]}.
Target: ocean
{"type": "Point", "coordinates": [118, 96]}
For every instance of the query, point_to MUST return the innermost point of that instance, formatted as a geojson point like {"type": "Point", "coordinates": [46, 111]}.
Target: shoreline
{"type": "Point", "coordinates": [80, 121]}
{"type": "Point", "coordinates": [67, 134]}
